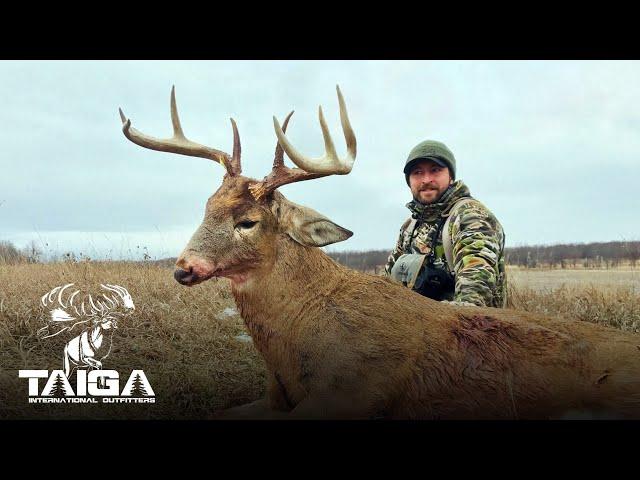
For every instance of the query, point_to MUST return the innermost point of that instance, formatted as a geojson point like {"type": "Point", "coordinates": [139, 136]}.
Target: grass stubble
{"type": "Point", "coordinates": [185, 339]}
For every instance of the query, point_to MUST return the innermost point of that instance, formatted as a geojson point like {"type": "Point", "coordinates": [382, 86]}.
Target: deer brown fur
{"type": "Point", "coordinates": [343, 344]}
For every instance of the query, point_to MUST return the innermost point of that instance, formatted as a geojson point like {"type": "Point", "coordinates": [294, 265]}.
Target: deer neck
{"type": "Point", "coordinates": [275, 299]}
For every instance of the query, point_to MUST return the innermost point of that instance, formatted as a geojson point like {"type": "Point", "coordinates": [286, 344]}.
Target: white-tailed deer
{"type": "Point", "coordinates": [344, 344]}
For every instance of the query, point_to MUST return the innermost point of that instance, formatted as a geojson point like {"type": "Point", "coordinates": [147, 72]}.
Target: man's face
{"type": "Point", "coordinates": [428, 181]}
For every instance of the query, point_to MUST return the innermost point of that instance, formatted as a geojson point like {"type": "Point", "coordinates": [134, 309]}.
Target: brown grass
{"type": "Point", "coordinates": [619, 309]}
{"type": "Point", "coordinates": [608, 297]}
{"type": "Point", "coordinates": [191, 358]}
{"type": "Point", "coordinates": [187, 347]}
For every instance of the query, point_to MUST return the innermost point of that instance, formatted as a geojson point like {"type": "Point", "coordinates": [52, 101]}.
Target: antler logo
{"type": "Point", "coordinates": [97, 319]}
{"type": "Point", "coordinates": [94, 318]}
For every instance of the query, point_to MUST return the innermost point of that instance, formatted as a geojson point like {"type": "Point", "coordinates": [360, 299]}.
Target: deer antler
{"type": "Point", "coordinates": [180, 144]}
{"type": "Point", "coordinates": [310, 168]}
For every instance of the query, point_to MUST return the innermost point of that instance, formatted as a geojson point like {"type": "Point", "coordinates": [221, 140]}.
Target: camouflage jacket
{"type": "Point", "coordinates": [477, 246]}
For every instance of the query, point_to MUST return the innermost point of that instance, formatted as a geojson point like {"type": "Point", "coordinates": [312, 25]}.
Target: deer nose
{"type": "Point", "coordinates": [185, 277]}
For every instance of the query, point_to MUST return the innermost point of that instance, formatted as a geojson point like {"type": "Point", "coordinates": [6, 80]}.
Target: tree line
{"type": "Point", "coordinates": [571, 255]}
{"type": "Point", "coordinates": [10, 254]}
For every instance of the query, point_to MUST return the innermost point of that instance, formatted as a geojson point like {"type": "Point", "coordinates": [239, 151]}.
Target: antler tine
{"type": "Point", "coordinates": [349, 135]}
{"type": "Point", "coordinates": [45, 300]}
{"type": "Point", "coordinates": [115, 289]}
{"type": "Point", "coordinates": [121, 290]}
{"type": "Point", "coordinates": [109, 287]}
{"type": "Point", "coordinates": [235, 160]}
{"type": "Point", "coordinates": [94, 309]}
{"type": "Point", "coordinates": [111, 301]}
{"type": "Point", "coordinates": [178, 143]}
{"type": "Point", "coordinates": [175, 118]}
{"type": "Point", "coordinates": [278, 160]}
{"type": "Point", "coordinates": [72, 297]}
{"type": "Point", "coordinates": [309, 168]}
{"type": "Point", "coordinates": [60, 301]}
{"type": "Point", "coordinates": [329, 163]}
{"type": "Point", "coordinates": [280, 174]}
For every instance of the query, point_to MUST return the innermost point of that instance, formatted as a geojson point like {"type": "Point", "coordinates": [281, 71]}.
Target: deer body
{"type": "Point", "coordinates": [375, 348]}
{"type": "Point", "coordinates": [342, 344]}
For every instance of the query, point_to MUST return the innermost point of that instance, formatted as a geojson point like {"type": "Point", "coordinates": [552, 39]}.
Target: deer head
{"type": "Point", "coordinates": [244, 217]}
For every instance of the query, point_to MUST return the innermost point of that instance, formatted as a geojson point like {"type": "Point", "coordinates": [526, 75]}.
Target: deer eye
{"type": "Point", "coordinates": [245, 224]}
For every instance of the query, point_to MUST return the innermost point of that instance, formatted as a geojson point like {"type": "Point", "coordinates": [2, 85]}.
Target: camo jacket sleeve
{"type": "Point", "coordinates": [477, 250]}
{"type": "Point", "coordinates": [397, 251]}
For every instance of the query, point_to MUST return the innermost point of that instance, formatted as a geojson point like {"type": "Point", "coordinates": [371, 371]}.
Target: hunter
{"type": "Point", "coordinates": [452, 247]}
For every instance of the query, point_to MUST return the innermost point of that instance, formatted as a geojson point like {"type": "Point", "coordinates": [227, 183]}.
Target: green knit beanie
{"type": "Point", "coordinates": [431, 150]}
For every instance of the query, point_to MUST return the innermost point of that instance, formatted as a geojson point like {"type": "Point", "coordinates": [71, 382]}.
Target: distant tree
{"type": "Point", "coordinates": [32, 252]}
{"type": "Point", "coordinates": [590, 255]}
{"type": "Point", "coordinates": [9, 253]}
{"type": "Point", "coordinates": [633, 251]}
{"type": "Point", "coordinates": [361, 260]}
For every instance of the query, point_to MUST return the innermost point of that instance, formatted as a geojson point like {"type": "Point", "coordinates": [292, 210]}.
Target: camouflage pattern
{"type": "Point", "coordinates": [477, 243]}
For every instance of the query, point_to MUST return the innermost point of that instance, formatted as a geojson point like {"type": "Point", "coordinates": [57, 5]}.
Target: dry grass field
{"type": "Point", "coordinates": [181, 337]}
{"type": "Point", "coordinates": [190, 343]}
{"type": "Point", "coordinates": [544, 279]}
{"type": "Point", "coordinates": [610, 297]}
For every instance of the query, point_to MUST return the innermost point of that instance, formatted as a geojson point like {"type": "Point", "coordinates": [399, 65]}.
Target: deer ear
{"type": "Point", "coordinates": [308, 227]}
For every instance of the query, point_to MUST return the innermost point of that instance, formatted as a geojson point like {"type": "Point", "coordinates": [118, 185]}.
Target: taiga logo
{"type": "Point", "coordinates": [97, 319]}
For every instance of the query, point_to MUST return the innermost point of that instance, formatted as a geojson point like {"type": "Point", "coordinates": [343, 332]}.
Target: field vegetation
{"type": "Point", "coordinates": [188, 341]}
{"type": "Point", "coordinates": [192, 344]}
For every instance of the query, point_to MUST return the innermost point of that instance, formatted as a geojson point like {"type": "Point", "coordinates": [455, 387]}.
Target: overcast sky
{"type": "Point", "coordinates": [551, 147]}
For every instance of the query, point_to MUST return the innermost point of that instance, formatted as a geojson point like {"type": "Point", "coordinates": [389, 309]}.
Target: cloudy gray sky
{"type": "Point", "coordinates": [552, 147]}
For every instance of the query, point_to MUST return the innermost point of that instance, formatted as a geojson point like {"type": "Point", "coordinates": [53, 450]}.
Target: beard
{"type": "Point", "coordinates": [428, 194]}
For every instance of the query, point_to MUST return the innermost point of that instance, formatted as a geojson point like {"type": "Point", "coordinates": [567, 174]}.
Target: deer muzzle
{"type": "Point", "coordinates": [186, 277]}
{"type": "Point", "coordinates": [192, 270]}
{"type": "Point", "coordinates": [191, 274]}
